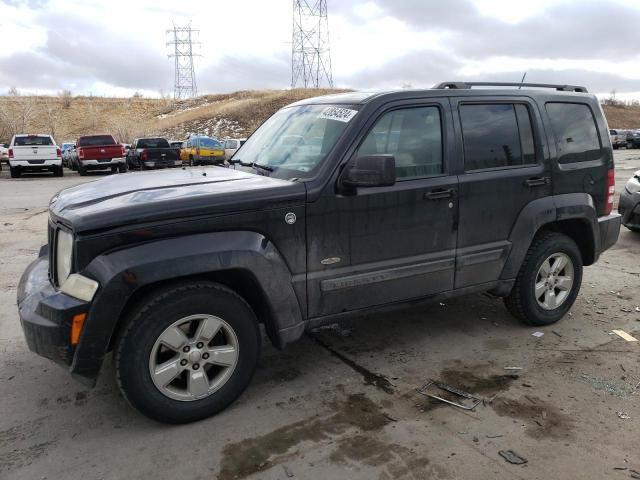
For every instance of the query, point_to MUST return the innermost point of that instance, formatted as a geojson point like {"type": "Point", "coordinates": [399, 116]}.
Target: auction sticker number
{"type": "Point", "coordinates": [338, 113]}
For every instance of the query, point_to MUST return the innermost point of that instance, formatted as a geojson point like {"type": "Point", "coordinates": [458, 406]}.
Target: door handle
{"type": "Point", "coordinates": [438, 194]}
{"type": "Point", "coordinates": [536, 181]}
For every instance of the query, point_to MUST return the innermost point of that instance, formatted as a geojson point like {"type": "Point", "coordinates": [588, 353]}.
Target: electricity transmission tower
{"type": "Point", "coordinates": [185, 75]}
{"type": "Point", "coordinates": [310, 54]}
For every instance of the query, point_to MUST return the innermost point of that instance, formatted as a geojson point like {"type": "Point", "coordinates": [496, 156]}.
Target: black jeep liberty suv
{"type": "Point", "coordinates": [335, 206]}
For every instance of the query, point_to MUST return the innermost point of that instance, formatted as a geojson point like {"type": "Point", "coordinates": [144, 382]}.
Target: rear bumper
{"type": "Point", "coordinates": [629, 208]}
{"type": "Point", "coordinates": [209, 160]}
{"type": "Point", "coordinates": [162, 163]}
{"type": "Point", "coordinates": [609, 228]}
{"type": "Point", "coordinates": [36, 164]}
{"type": "Point", "coordinates": [98, 164]}
{"type": "Point", "coordinates": [45, 317]}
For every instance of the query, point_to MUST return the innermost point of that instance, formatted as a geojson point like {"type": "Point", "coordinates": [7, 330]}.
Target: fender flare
{"type": "Point", "coordinates": [122, 273]}
{"type": "Point", "coordinates": [544, 211]}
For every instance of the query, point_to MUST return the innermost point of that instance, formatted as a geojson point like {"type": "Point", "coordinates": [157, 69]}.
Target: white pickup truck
{"type": "Point", "coordinates": [34, 153]}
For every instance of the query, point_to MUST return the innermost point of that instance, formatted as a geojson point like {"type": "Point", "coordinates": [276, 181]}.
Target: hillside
{"type": "Point", "coordinates": [227, 115]}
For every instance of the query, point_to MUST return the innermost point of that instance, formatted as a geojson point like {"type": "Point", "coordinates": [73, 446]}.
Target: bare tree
{"type": "Point", "coordinates": [65, 98]}
{"type": "Point", "coordinates": [13, 91]}
{"type": "Point", "coordinates": [51, 113]}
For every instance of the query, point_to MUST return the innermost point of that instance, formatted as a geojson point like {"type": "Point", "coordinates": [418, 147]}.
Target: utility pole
{"type": "Point", "coordinates": [310, 53]}
{"type": "Point", "coordinates": [185, 75]}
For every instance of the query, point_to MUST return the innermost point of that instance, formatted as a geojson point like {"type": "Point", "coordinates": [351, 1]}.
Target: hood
{"type": "Point", "coordinates": [142, 197]}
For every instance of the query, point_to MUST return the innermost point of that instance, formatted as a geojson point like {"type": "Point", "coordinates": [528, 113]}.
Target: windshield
{"type": "Point", "coordinates": [210, 143]}
{"type": "Point", "coordinates": [295, 140]}
{"type": "Point", "coordinates": [153, 143]}
{"type": "Point", "coordinates": [96, 140]}
{"type": "Point", "coordinates": [32, 140]}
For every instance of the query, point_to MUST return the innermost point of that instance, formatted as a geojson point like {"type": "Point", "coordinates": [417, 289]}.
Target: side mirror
{"type": "Point", "coordinates": [370, 171]}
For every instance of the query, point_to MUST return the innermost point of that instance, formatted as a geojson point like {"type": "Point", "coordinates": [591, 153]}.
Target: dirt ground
{"type": "Point", "coordinates": [342, 403]}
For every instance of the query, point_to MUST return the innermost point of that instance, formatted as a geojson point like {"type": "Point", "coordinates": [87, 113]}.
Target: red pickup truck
{"type": "Point", "coordinates": [98, 152]}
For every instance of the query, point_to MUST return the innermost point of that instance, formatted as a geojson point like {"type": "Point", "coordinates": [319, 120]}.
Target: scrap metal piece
{"type": "Point", "coordinates": [512, 457]}
{"type": "Point", "coordinates": [448, 388]}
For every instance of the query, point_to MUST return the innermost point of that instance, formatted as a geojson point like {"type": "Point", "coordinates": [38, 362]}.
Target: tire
{"type": "Point", "coordinates": [523, 303]}
{"type": "Point", "coordinates": [81, 170]}
{"type": "Point", "coordinates": [15, 172]}
{"type": "Point", "coordinates": [58, 171]}
{"type": "Point", "coordinates": [191, 164]}
{"type": "Point", "coordinates": [138, 350]}
{"type": "Point", "coordinates": [114, 169]}
{"type": "Point", "coordinates": [122, 168]}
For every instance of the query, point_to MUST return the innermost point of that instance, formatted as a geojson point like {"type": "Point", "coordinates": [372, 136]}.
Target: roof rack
{"type": "Point", "coordinates": [468, 85]}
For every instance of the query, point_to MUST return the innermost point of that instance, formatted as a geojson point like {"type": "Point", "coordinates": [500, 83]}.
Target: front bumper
{"type": "Point", "coordinates": [46, 315]}
{"type": "Point", "coordinates": [629, 208]}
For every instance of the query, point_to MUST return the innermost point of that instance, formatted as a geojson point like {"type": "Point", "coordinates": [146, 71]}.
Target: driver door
{"type": "Point", "coordinates": [388, 244]}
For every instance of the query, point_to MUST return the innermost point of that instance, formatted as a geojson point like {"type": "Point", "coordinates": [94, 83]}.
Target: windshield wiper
{"type": "Point", "coordinates": [262, 167]}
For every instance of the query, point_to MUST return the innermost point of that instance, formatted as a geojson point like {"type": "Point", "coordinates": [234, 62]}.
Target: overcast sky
{"type": "Point", "coordinates": [118, 47]}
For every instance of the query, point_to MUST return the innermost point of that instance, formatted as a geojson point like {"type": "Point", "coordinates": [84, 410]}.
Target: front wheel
{"type": "Point", "coordinates": [548, 282]}
{"type": "Point", "coordinates": [188, 352]}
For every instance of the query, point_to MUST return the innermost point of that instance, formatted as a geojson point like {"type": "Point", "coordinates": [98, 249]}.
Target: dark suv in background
{"type": "Point", "coordinates": [338, 206]}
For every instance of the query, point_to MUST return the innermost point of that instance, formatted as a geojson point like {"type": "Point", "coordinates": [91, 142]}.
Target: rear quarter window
{"type": "Point", "coordinates": [575, 130]}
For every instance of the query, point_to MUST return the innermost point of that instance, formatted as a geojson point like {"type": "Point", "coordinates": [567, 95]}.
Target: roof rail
{"type": "Point", "coordinates": [468, 85]}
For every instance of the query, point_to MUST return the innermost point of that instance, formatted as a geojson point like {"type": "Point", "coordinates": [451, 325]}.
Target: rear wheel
{"type": "Point", "coordinates": [122, 168]}
{"type": "Point", "coordinates": [548, 282]}
{"type": "Point", "coordinates": [15, 172]}
{"type": "Point", "coordinates": [81, 170]}
{"type": "Point", "coordinates": [187, 352]}
{"type": "Point", "coordinates": [58, 171]}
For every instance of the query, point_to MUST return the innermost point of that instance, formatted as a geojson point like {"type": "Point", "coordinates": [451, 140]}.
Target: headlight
{"type": "Point", "coordinates": [633, 185]}
{"type": "Point", "coordinates": [64, 248]}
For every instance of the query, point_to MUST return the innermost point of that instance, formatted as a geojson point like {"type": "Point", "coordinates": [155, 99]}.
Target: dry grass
{"type": "Point", "coordinates": [622, 116]}
{"type": "Point", "coordinates": [235, 114]}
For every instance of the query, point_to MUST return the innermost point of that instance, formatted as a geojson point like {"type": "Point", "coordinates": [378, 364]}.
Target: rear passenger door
{"type": "Point", "coordinates": [503, 168]}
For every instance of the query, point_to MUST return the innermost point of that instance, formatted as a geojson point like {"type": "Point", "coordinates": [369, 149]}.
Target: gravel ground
{"type": "Point", "coordinates": [342, 403]}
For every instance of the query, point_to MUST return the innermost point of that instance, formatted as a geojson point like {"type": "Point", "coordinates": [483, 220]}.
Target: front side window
{"type": "Point", "coordinates": [496, 136]}
{"type": "Point", "coordinates": [413, 136]}
{"type": "Point", "coordinates": [576, 132]}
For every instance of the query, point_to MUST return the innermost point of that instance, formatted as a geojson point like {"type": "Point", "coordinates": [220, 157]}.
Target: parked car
{"type": "Point", "coordinates": [34, 154]}
{"type": "Point", "coordinates": [4, 154]}
{"type": "Point", "coordinates": [633, 139]}
{"type": "Point", "coordinates": [98, 152]}
{"type": "Point", "coordinates": [67, 157]}
{"type": "Point", "coordinates": [231, 146]}
{"type": "Point", "coordinates": [202, 151]}
{"type": "Point", "coordinates": [629, 204]}
{"type": "Point", "coordinates": [618, 138]}
{"type": "Point", "coordinates": [153, 152]}
{"type": "Point", "coordinates": [175, 272]}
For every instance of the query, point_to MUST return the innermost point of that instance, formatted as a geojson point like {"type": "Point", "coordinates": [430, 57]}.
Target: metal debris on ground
{"type": "Point", "coordinates": [623, 416]}
{"type": "Point", "coordinates": [513, 368]}
{"type": "Point", "coordinates": [473, 400]}
{"type": "Point", "coordinates": [537, 334]}
{"type": "Point", "coordinates": [556, 333]}
{"type": "Point", "coordinates": [512, 457]}
{"type": "Point", "coordinates": [494, 436]}
{"type": "Point", "coordinates": [625, 335]}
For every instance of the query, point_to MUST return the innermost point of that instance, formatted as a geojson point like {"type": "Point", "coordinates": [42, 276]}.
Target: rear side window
{"type": "Point", "coordinates": [34, 140]}
{"type": "Point", "coordinates": [575, 130]}
{"type": "Point", "coordinates": [210, 143]}
{"type": "Point", "coordinates": [497, 136]}
{"type": "Point", "coordinates": [96, 140]}
{"type": "Point", "coordinates": [413, 136]}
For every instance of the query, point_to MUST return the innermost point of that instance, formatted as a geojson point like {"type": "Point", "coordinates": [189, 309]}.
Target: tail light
{"type": "Point", "coordinates": [11, 153]}
{"type": "Point", "coordinates": [124, 151]}
{"type": "Point", "coordinates": [81, 154]}
{"type": "Point", "coordinates": [198, 151]}
{"type": "Point", "coordinates": [143, 155]}
{"type": "Point", "coordinates": [58, 152]}
{"type": "Point", "coordinates": [611, 190]}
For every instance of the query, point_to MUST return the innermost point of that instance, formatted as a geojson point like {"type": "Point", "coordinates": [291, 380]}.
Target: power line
{"type": "Point", "coordinates": [310, 53]}
{"type": "Point", "coordinates": [185, 75]}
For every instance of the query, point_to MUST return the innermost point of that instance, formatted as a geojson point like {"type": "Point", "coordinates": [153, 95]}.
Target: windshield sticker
{"type": "Point", "coordinates": [339, 114]}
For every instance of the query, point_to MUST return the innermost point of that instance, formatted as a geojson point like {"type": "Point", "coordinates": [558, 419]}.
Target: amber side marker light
{"type": "Point", "coordinates": [76, 327]}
